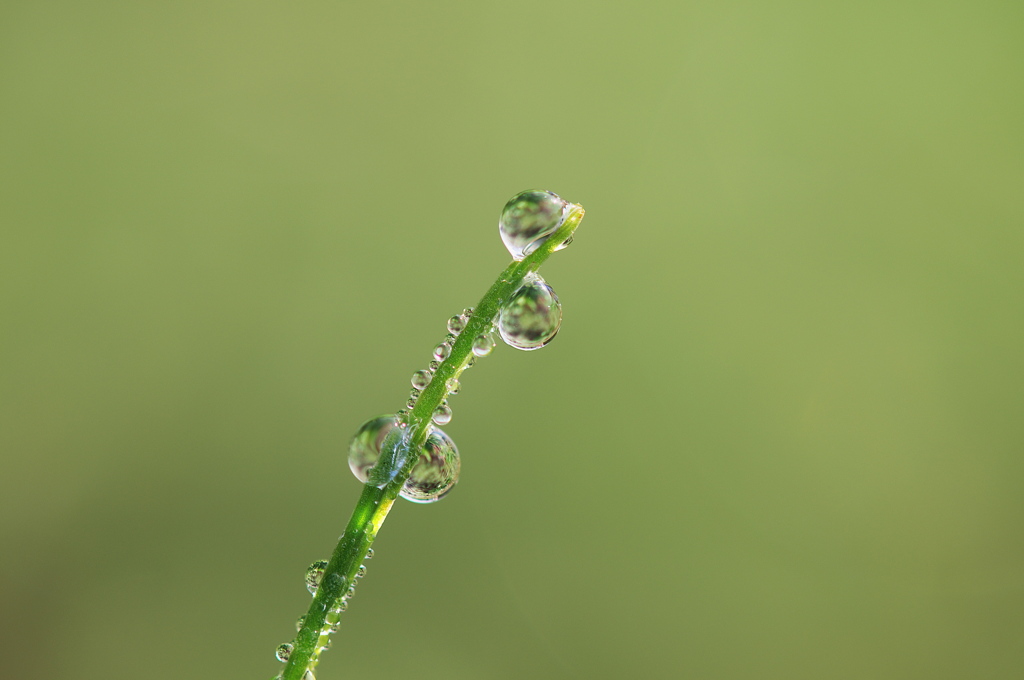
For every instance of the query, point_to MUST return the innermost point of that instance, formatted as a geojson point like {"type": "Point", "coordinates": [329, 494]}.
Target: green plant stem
{"type": "Point", "coordinates": [374, 503]}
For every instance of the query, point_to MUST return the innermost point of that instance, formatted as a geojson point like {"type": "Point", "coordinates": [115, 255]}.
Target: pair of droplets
{"type": "Point", "coordinates": [528, 321]}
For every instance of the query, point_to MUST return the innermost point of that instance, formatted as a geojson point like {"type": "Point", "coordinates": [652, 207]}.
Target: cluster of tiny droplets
{"type": "Point", "coordinates": [332, 620]}
{"type": "Point", "coordinates": [482, 346]}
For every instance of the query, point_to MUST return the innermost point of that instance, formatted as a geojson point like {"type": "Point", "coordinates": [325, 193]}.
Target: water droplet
{"type": "Point", "coordinates": [531, 318]}
{"type": "Point", "coordinates": [401, 415]}
{"type": "Point", "coordinates": [314, 575]}
{"type": "Point", "coordinates": [433, 475]}
{"type": "Point", "coordinates": [442, 351]}
{"type": "Point", "coordinates": [432, 366]}
{"type": "Point", "coordinates": [437, 470]}
{"type": "Point", "coordinates": [298, 624]}
{"type": "Point", "coordinates": [453, 386]}
{"type": "Point", "coordinates": [326, 645]}
{"type": "Point", "coordinates": [342, 605]}
{"type": "Point", "coordinates": [364, 450]}
{"type": "Point", "coordinates": [528, 219]}
{"type": "Point", "coordinates": [350, 592]}
{"type": "Point", "coordinates": [456, 324]}
{"type": "Point", "coordinates": [361, 572]}
{"type": "Point", "coordinates": [284, 652]}
{"type": "Point", "coordinates": [483, 344]}
{"type": "Point", "coordinates": [472, 360]}
{"type": "Point", "coordinates": [442, 414]}
{"type": "Point", "coordinates": [369, 553]}
{"type": "Point", "coordinates": [420, 379]}
{"type": "Point", "coordinates": [308, 675]}
{"type": "Point", "coordinates": [564, 244]}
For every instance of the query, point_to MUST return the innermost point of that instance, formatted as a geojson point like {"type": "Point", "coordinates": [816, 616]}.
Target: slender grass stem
{"type": "Point", "coordinates": [375, 501]}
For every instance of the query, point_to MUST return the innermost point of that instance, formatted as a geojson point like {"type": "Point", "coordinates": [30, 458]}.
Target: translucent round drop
{"type": "Point", "coordinates": [314, 575]}
{"type": "Point", "coordinates": [436, 472]}
{"type": "Point", "coordinates": [420, 379]}
{"type": "Point", "coordinates": [442, 414]}
{"type": "Point", "coordinates": [531, 318]}
{"type": "Point", "coordinates": [528, 219]}
{"type": "Point", "coordinates": [284, 652]}
{"type": "Point", "coordinates": [483, 344]}
{"type": "Point", "coordinates": [364, 450]}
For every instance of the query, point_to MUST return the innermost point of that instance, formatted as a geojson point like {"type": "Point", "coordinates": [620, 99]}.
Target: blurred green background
{"type": "Point", "coordinates": [780, 435]}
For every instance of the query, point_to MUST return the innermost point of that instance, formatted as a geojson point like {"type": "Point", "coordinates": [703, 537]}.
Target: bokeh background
{"type": "Point", "coordinates": [780, 435]}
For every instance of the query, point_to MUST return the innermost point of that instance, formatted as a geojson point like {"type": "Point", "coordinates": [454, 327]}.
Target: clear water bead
{"type": "Point", "coordinates": [434, 474]}
{"type": "Point", "coordinates": [284, 652]}
{"type": "Point", "coordinates": [420, 379]}
{"type": "Point", "coordinates": [314, 575]}
{"type": "Point", "coordinates": [364, 450]}
{"type": "Point", "coordinates": [531, 318]}
{"type": "Point", "coordinates": [298, 624]}
{"type": "Point", "coordinates": [437, 470]}
{"type": "Point", "coordinates": [528, 219]}
{"type": "Point", "coordinates": [442, 351]}
{"type": "Point", "coordinates": [361, 572]}
{"type": "Point", "coordinates": [442, 414]}
{"type": "Point", "coordinates": [483, 344]}
{"type": "Point", "coordinates": [432, 366]}
{"type": "Point", "coordinates": [456, 324]}
{"type": "Point", "coordinates": [453, 386]}
{"type": "Point", "coordinates": [369, 553]}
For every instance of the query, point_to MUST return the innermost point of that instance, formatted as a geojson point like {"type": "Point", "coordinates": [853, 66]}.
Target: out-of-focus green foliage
{"type": "Point", "coordinates": [790, 435]}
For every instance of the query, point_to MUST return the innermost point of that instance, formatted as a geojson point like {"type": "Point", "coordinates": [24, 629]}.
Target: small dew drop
{"type": "Point", "coordinates": [314, 574]}
{"type": "Point", "coordinates": [298, 624]}
{"type": "Point", "coordinates": [442, 351]}
{"type": "Point", "coordinates": [411, 404]}
{"type": "Point", "coordinates": [456, 324]}
{"type": "Point", "coordinates": [308, 675]}
{"type": "Point", "coordinates": [453, 386]}
{"type": "Point", "coordinates": [420, 379]}
{"type": "Point", "coordinates": [284, 652]}
{"type": "Point", "coordinates": [361, 572]}
{"type": "Point", "coordinates": [483, 344]}
{"type": "Point", "coordinates": [472, 360]}
{"type": "Point", "coordinates": [369, 553]}
{"type": "Point", "coordinates": [433, 366]}
{"type": "Point", "coordinates": [442, 414]}
{"type": "Point", "coordinates": [351, 591]}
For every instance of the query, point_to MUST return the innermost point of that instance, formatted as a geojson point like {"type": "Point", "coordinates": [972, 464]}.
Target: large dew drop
{"type": "Point", "coordinates": [528, 219]}
{"type": "Point", "coordinates": [436, 472]}
{"type": "Point", "coordinates": [532, 317]}
{"type": "Point", "coordinates": [432, 477]}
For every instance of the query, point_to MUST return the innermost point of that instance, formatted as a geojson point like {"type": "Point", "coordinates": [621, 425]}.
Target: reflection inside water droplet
{"type": "Point", "coordinates": [528, 219]}
{"type": "Point", "coordinates": [532, 316]}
